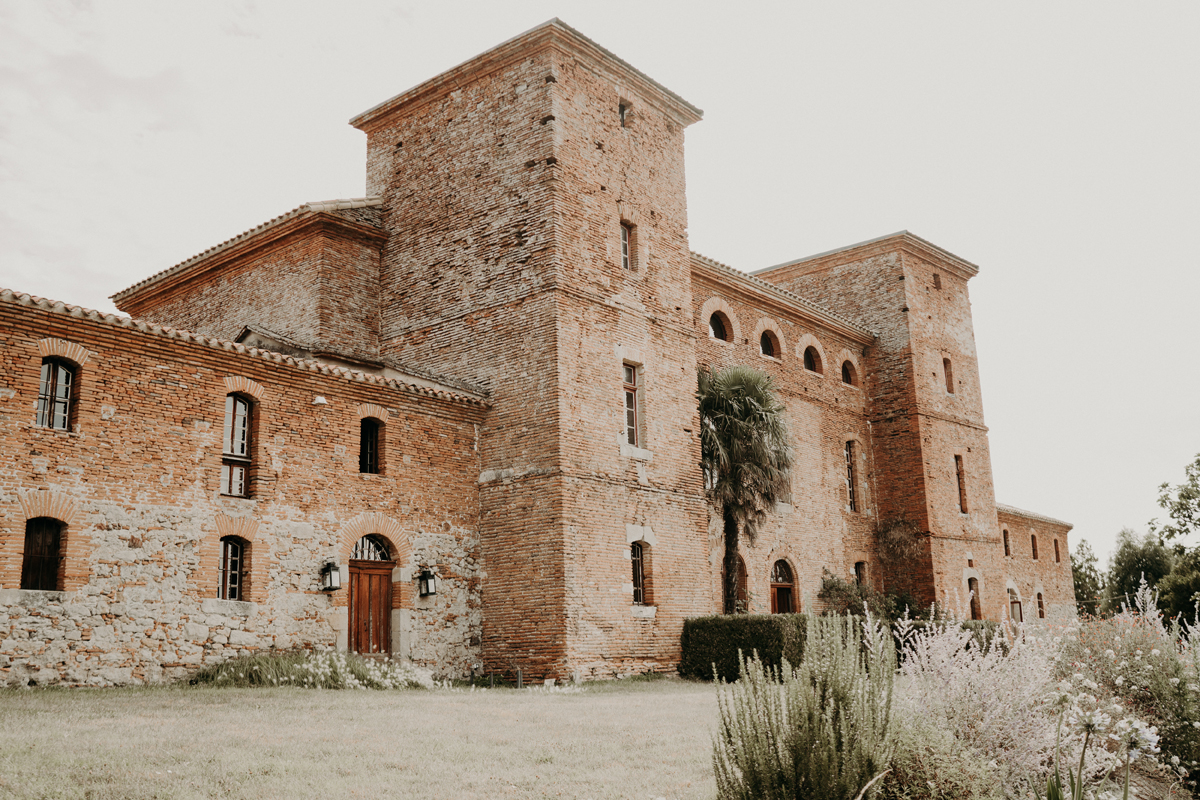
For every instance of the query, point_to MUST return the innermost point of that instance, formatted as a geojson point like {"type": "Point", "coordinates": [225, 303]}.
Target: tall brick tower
{"type": "Point", "coordinates": [932, 461]}
{"type": "Point", "coordinates": [537, 244]}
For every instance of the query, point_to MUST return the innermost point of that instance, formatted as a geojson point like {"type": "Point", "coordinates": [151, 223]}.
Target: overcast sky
{"type": "Point", "coordinates": [1056, 145]}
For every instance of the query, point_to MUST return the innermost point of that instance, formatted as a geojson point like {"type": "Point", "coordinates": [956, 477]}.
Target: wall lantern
{"type": "Point", "coordinates": [331, 577]}
{"type": "Point", "coordinates": [426, 583]}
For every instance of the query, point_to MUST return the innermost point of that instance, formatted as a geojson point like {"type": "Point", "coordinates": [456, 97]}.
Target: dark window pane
{"type": "Point", "coordinates": [43, 541]}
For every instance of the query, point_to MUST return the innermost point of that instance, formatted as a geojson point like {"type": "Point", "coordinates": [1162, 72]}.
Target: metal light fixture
{"type": "Point", "coordinates": [331, 577]}
{"type": "Point", "coordinates": [426, 583]}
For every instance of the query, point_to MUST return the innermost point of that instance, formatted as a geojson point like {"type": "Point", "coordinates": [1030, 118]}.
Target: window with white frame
{"type": "Point", "coordinates": [632, 405]}
{"type": "Point", "coordinates": [235, 453]}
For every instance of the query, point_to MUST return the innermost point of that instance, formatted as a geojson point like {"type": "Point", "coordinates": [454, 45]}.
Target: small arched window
{"type": "Point", "coordinates": [370, 548]}
{"type": "Point", "coordinates": [1057, 557]}
{"type": "Point", "coordinates": [236, 447]}
{"type": "Point", "coordinates": [56, 394]}
{"type": "Point", "coordinates": [1033, 542]}
{"type": "Point", "coordinates": [1014, 606]}
{"type": "Point", "coordinates": [639, 554]}
{"type": "Point", "coordinates": [719, 327]}
{"type": "Point", "coordinates": [231, 583]}
{"type": "Point", "coordinates": [1007, 550]}
{"type": "Point", "coordinates": [812, 359]}
{"type": "Point", "coordinates": [849, 374]}
{"type": "Point", "coordinates": [949, 370]}
{"type": "Point", "coordinates": [782, 588]}
{"type": "Point", "coordinates": [1041, 607]}
{"type": "Point", "coordinates": [370, 446]}
{"type": "Point", "coordinates": [767, 345]}
{"type": "Point", "coordinates": [860, 573]}
{"type": "Point", "coordinates": [973, 588]}
{"type": "Point", "coordinates": [43, 554]}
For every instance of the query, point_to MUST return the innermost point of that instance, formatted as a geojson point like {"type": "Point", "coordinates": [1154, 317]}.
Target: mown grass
{"type": "Point", "coordinates": [643, 739]}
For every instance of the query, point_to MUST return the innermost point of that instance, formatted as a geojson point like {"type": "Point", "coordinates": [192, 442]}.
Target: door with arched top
{"type": "Point", "coordinates": [371, 568]}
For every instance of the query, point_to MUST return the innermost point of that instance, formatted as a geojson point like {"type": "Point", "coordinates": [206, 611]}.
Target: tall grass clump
{"type": "Point", "coordinates": [323, 670]}
{"type": "Point", "coordinates": [818, 731]}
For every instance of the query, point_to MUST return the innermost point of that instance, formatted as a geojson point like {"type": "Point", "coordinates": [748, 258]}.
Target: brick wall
{"type": "Point", "coordinates": [1049, 575]}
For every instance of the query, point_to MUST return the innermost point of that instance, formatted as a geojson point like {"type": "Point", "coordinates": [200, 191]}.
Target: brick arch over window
{"type": "Point", "coordinates": [65, 509]}
{"type": "Point", "coordinates": [60, 506]}
{"type": "Point", "coordinates": [806, 341]}
{"type": "Point", "coordinates": [715, 304]}
{"type": "Point", "coordinates": [242, 385]}
{"type": "Point", "coordinates": [770, 327]}
{"type": "Point", "coordinates": [380, 524]}
{"type": "Point", "coordinates": [61, 348]}
{"type": "Point", "coordinates": [255, 560]}
{"type": "Point", "coordinates": [374, 411]}
{"type": "Point", "coordinates": [241, 527]}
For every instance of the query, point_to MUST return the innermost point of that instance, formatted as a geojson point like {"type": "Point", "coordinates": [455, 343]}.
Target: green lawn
{"type": "Point", "coordinates": [637, 739]}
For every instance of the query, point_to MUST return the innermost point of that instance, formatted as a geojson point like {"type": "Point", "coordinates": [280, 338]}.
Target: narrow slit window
{"type": "Point", "coordinates": [626, 246]}
{"type": "Point", "coordinates": [860, 573]}
{"type": "Point", "coordinates": [1041, 607]}
{"type": "Point", "coordinates": [937, 281]}
{"type": "Point", "coordinates": [55, 394]}
{"type": "Point", "coordinates": [235, 454]}
{"type": "Point", "coordinates": [1007, 550]}
{"type": "Point", "coordinates": [1033, 545]}
{"type": "Point", "coordinates": [850, 481]}
{"type": "Point", "coordinates": [637, 556]}
{"type": "Point", "coordinates": [631, 405]}
{"type": "Point", "coordinates": [230, 579]}
{"type": "Point", "coordinates": [370, 446]}
{"type": "Point", "coordinates": [1014, 607]}
{"type": "Point", "coordinates": [1057, 557]}
{"type": "Point", "coordinates": [973, 588]}
{"type": "Point", "coordinates": [623, 113]}
{"type": "Point", "coordinates": [949, 370]}
{"type": "Point", "coordinates": [962, 484]}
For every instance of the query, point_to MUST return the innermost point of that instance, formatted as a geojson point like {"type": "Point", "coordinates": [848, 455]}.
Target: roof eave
{"type": "Point", "coordinates": [900, 240]}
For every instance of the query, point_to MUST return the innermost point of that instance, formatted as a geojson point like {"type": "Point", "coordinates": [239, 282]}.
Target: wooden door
{"type": "Point", "coordinates": [371, 606]}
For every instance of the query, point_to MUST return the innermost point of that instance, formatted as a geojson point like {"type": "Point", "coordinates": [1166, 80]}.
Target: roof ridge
{"type": "Point", "coordinates": [791, 296]}
{"type": "Point", "coordinates": [1031, 514]}
{"type": "Point", "coordinates": [900, 234]}
{"type": "Point", "coordinates": [79, 312]}
{"type": "Point", "coordinates": [315, 207]}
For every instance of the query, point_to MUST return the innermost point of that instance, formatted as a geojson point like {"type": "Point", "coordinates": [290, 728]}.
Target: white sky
{"type": "Point", "coordinates": [1056, 145]}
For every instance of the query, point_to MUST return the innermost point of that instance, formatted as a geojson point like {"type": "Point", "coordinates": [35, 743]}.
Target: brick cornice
{"type": "Point", "coordinates": [554, 34]}
{"type": "Point", "coordinates": [901, 241]}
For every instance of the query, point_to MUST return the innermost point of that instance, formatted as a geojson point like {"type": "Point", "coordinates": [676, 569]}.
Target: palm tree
{"type": "Point", "coordinates": [745, 455]}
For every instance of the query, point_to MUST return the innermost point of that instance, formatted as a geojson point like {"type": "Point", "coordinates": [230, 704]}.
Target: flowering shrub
{"type": "Point", "coordinates": [325, 670]}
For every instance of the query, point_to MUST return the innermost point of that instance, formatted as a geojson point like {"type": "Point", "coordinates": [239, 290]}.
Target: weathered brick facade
{"type": "Point", "coordinates": [522, 243]}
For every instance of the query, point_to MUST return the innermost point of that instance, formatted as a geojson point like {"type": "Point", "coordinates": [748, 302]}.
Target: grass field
{"type": "Point", "coordinates": [628, 739]}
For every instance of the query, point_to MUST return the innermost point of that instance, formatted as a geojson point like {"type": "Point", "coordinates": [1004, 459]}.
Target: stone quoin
{"type": "Point", "coordinates": [484, 371]}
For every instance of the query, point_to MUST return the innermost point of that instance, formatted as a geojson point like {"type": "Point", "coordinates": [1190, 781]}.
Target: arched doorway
{"type": "Point", "coordinates": [781, 588]}
{"type": "Point", "coordinates": [371, 568]}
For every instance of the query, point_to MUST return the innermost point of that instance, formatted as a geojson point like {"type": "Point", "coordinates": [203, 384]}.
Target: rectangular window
{"type": "Point", "coordinates": [54, 395]}
{"type": "Point", "coordinates": [860, 573]}
{"type": "Point", "coordinates": [370, 433]}
{"type": "Point", "coordinates": [626, 246]}
{"type": "Point", "coordinates": [631, 405]}
{"type": "Point", "coordinates": [235, 452]}
{"type": "Point", "coordinates": [962, 484]}
{"type": "Point", "coordinates": [639, 573]}
{"type": "Point", "coordinates": [230, 583]}
{"type": "Point", "coordinates": [850, 476]}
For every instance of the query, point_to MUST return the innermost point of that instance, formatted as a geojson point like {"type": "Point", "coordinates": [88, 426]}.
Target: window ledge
{"type": "Point", "coordinates": [644, 612]}
{"type": "Point", "coordinates": [814, 372]}
{"type": "Point", "coordinates": [228, 608]}
{"type": "Point", "coordinates": [638, 454]}
{"type": "Point", "coordinates": [31, 597]}
{"type": "Point", "coordinates": [766, 357]}
{"type": "Point", "coordinates": [725, 342]}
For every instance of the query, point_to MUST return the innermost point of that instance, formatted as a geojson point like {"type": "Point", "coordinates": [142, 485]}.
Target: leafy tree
{"type": "Point", "coordinates": [745, 455]}
{"type": "Point", "coordinates": [1179, 592]}
{"type": "Point", "coordinates": [1182, 505]}
{"type": "Point", "coordinates": [1089, 581]}
{"type": "Point", "coordinates": [1136, 556]}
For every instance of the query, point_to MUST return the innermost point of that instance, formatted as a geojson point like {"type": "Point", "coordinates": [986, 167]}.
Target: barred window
{"type": "Point", "coordinates": [55, 394]}
{"type": "Point", "coordinates": [231, 583]}
{"type": "Point", "coordinates": [637, 554]}
{"type": "Point", "coordinates": [370, 548]}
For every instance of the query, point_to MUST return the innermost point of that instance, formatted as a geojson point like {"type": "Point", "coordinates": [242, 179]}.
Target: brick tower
{"type": "Point", "coordinates": [537, 244]}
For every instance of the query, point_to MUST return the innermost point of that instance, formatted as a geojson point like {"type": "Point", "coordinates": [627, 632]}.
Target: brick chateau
{"type": "Point", "coordinates": [455, 420]}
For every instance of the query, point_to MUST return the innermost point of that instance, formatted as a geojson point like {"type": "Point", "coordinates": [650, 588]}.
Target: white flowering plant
{"type": "Point", "coordinates": [315, 670]}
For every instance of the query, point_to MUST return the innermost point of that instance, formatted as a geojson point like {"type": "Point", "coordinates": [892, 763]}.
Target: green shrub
{"type": "Point", "coordinates": [819, 731]}
{"type": "Point", "coordinates": [710, 643]}
{"type": "Point", "coordinates": [311, 671]}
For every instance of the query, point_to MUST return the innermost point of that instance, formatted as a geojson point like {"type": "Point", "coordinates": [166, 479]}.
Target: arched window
{"type": "Point", "coordinates": [719, 327]}
{"type": "Point", "coordinates": [55, 394]}
{"type": "Point", "coordinates": [849, 374]}
{"type": "Point", "coordinates": [1041, 607]}
{"type": "Point", "coordinates": [782, 588]}
{"type": "Point", "coordinates": [1033, 542]}
{"type": "Point", "coordinates": [767, 345]}
{"type": "Point", "coordinates": [231, 583]}
{"type": "Point", "coordinates": [236, 449]}
{"type": "Point", "coordinates": [639, 554]}
{"type": "Point", "coordinates": [1014, 606]}
{"type": "Point", "coordinates": [949, 370]}
{"type": "Point", "coordinates": [370, 548]}
{"type": "Point", "coordinates": [1057, 557]}
{"type": "Point", "coordinates": [370, 446]}
{"type": "Point", "coordinates": [43, 554]}
{"type": "Point", "coordinates": [860, 573]}
{"type": "Point", "coordinates": [1007, 550]}
{"type": "Point", "coordinates": [812, 359]}
{"type": "Point", "coordinates": [973, 588]}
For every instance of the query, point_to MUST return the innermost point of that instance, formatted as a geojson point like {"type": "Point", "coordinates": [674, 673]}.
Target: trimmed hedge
{"type": "Point", "coordinates": [713, 642]}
